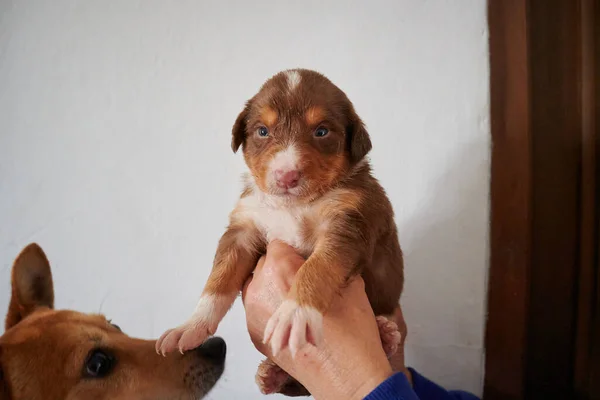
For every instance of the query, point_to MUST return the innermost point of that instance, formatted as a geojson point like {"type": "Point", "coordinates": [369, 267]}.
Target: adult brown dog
{"type": "Point", "coordinates": [47, 354]}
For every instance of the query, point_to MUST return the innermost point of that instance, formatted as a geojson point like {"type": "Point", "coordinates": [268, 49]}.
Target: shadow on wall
{"type": "Point", "coordinates": [446, 266]}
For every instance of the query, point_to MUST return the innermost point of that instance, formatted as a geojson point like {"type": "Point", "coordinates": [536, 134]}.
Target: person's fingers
{"type": "Point", "coordinates": [355, 288]}
{"type": "Point", "coordinates": [245, 287]}
{"type": "Point", "coordinates": [260, 264]}
{"type": "Point", "coordinates": [357, 284]}
{"type": "Point", "coordinates": [282, 264]}
{"type": "Point", "coordinates": [283, 252]}
{"type": "Point", "coordinates": [277, 248]}
{"type": "Point", "coordinates": [257, 270]}
{"type": "Point", "coordinates": [353, 295]}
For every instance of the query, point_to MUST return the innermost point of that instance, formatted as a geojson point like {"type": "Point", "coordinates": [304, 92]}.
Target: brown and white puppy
{"type": "Point", "coordinates": [47, 354]}
{"type": "Point", "coordinates": [310, 186]}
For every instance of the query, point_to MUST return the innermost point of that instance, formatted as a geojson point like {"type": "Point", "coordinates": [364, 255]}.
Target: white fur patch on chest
{"type": "Point", "coordinates": [284, 222]}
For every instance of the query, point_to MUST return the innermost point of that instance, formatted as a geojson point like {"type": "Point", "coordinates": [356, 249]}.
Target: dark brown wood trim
{"type": "Point", "coordinates": [589, 197]}
{"type": "Point", "coordinates": [555, 72]}
{"type": "Point", "coordinates": [543, 328]}
{"type": "Point", "coordinates": [592, 391]}
{"type": "Point", "coordinates": [510, 252]}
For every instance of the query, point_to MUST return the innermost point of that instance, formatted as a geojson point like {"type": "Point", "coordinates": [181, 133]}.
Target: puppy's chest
{"type": "Point", "coordinates": [294, 225]}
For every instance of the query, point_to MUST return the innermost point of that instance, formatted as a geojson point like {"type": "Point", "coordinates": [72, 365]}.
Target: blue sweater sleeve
{"type": "Point", "coordinates": [397, 387]}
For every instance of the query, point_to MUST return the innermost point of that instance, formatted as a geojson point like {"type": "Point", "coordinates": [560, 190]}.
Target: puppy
{"type": "Point", "coordinates": [66, 355]}
{"type": "Point", "coordinates": [310, 185]}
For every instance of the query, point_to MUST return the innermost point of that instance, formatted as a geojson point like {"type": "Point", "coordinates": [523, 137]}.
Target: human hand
{"type": "Point", "coordinates": [351, 361]}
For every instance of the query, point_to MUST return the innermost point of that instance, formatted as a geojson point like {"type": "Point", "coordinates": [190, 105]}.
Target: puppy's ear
{"type": "Point", "coordinates": [238, 133]}
{"type": "Point", "coordinates": [358, 140]}
{"type": "Point", "coordinates": [32, 286]}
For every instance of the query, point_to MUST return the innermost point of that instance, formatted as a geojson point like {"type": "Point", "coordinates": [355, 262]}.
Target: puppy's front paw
{"type": "Point", "coordinates": [294, 326]}
{"type": "Point", "coordinates": [390, 335]}
{"type": "Point", "coordinates": [185, 337]}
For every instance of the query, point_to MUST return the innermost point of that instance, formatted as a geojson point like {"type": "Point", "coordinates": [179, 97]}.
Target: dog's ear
{"type": "Point", "coordinates": [32, 286]}
{"type": "Point", "coordinates": [238, 132]}
{"type": "Point", "coordinates": [358, 140]}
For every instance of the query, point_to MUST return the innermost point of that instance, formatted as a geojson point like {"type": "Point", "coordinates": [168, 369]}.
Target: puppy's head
{"type": "Point", "coordinates": [48, 354]}
{"type": "Point", "coordinates": [300, 135]}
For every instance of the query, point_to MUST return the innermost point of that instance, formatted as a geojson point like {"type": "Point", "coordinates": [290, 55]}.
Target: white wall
{"type": "Point", "coordinates": [115, 118]}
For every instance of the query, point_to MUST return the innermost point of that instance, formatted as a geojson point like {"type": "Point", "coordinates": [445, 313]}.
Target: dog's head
{"type": "Point", "coordinates": [300, 135]}
{"type": "Point", "coordinates": [48, 354]}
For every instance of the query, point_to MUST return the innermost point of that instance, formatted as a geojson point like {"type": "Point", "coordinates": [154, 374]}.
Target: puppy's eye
{"type": "Point", "coordinates": [320, 132]}
{"type": "Point", "coordinates": [98, 364]}
{"type": "Point", "coordinates": [262, 131]}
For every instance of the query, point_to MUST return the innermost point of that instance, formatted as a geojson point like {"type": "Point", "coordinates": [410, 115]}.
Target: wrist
{"type": "Point", "coordinates": [370, 382]}
{"type": "Point", "coordinates": [330, 374]}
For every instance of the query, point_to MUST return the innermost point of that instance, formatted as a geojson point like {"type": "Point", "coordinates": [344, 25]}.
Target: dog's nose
{"type": "Point", "coordinates": [287, 179]}
{"type": "Point", "coordinates": [214, 349]}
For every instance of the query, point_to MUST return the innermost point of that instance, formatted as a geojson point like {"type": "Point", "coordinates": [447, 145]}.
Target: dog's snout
{"type": "Point", "coordinates": [287, 179]}
{"type": "Point", "coordinates": [214, 349]}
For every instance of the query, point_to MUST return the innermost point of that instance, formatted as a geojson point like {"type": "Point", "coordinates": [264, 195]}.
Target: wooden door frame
{"type": "Point", "coordinates": [543, 327]}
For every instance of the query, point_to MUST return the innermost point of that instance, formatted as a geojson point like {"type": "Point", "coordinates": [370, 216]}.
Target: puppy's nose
{"type": "Point", "coordinates": [214, 350]}
{"type": "Point", "coordinates": [287, 179]}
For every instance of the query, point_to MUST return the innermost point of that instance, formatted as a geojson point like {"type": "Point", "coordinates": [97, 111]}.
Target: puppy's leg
{"type": "Point", "coordinates": [293, 388]}
{"type": "Point", "coordinates": [235, 259]}
{"type": "Point", "coordinates": [299, 319]}
{"type": "Point", "coordinates": [270, 379]}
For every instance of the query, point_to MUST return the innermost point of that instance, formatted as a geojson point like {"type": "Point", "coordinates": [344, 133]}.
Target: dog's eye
{"type": "Point", "coordinates": [320, 132]}
{"type": "Point", "coordinates": [98, 364]}
{"type": "Point", "coordinates": [262, 131]}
